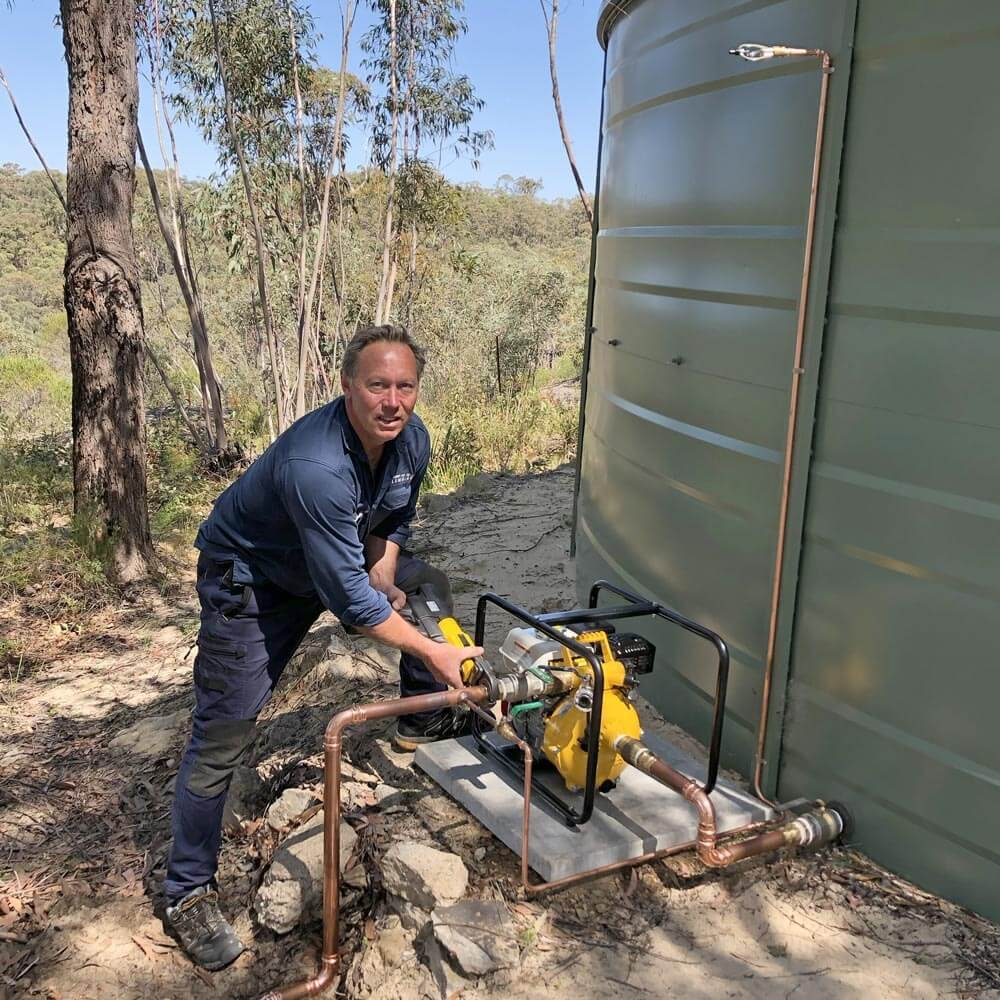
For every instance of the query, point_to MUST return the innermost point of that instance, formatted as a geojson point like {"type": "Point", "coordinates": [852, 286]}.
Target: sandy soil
{"type": "Point", "coordinates": [90, 744]}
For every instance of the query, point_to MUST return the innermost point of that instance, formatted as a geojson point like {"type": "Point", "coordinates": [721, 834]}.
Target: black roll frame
{"type": "Point", "coordinates": [546, 624]}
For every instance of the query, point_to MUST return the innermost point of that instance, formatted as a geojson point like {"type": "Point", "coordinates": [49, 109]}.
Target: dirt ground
{"type": "Point", "coordinates": [84, 830]}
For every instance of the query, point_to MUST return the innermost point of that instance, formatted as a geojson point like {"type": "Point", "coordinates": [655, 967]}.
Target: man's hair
{"type": "Point", "coordinates": [388, 333]}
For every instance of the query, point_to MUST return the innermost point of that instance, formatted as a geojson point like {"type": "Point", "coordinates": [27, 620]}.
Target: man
{"type": "Point", "coordinates": [318, 521]}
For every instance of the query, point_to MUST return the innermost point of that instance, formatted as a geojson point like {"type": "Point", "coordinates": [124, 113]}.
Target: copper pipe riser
{"type": "Point", "coordinates": [332, 746]}
{"type": "Point", "coordinates": [793, 410]}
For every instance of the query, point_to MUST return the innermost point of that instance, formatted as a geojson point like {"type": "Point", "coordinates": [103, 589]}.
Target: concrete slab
{"type": "Point", "coordinates": [636, 817]}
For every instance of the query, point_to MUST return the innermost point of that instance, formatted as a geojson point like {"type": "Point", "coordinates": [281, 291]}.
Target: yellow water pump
{"type": "Point", "coordinates": [547, 690]}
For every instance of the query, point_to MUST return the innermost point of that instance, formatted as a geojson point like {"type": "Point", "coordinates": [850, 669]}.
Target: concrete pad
{"type": "Point", "coordinates": [636, 817]}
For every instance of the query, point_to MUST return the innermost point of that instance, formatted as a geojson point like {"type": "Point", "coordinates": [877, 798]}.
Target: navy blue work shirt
{"type": "Point", "coordinates": [299, 516]}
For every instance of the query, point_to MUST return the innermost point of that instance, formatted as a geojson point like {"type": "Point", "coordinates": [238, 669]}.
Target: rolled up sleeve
{"type": "Point", "coordinates": [320, 503]}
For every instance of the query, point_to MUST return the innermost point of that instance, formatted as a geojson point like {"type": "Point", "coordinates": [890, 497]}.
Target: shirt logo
{"type": "Point", "coordinates": [400, 478]}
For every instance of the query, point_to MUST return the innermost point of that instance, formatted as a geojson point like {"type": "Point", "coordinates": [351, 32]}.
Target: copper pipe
{"type": "Point", "coordinates": [536, 888]}
{"type": "Point", "coordinates": [332, 745]}
{"type": "Point", "coordinates": [526, 821]}
{"type": "Point", "coordinates": [793, 409]}
{"type": "Point", "coordinates": [643, 759]}
{"type": "Point", "coordinates": [663, 773]}
{"type": "Point", "coordinates": [822, 826]}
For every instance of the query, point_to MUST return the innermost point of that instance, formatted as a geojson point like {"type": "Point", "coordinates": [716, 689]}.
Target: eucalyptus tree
{"type": "Point", "coordinates": [424, 114]}
{"type": "Point", "coordinates": [246, 75]}
{"type": "Point", "coordinates": [103, 304]}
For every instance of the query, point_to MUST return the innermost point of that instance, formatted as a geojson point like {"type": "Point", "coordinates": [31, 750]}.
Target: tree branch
{"type": "Point", "coordinates": [27, 134]}
{"type": "Point", "coordinates": [551, 15]}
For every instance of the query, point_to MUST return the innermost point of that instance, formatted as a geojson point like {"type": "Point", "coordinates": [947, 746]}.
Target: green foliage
{"type": "Point", "coordinates": [36, 398]}
{"type": "Point", "coordinates": [47, 581]}
{"type": "Point", "coordinates": [430, 102]}
{"type": "Point", "coordinates": [35, 481]}
{"type": "Point", "coordinates": [255, 42]}
{"type": "Point", "coordinates": [497, 435]}
{"type": "Point", "coordinates": [180, 490]}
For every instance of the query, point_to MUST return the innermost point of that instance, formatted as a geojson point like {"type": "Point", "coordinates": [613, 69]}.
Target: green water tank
{"type": "Point", "coordinates": [885, 680]}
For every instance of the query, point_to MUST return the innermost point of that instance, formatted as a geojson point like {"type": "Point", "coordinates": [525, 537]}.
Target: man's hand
{"type": "Point", "coordinates": [445, 661]}
{"type": "Point", "coordinates": [386, 586]}
{"type": "Point", "coordinates": [381, 556]}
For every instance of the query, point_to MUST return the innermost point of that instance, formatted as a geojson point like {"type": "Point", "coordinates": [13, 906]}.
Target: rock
{"type": "Point", "coordinates": [354, 795]}
{"type": "Point", "coordinates": [245, 791]}
{"type": "Point", "coordinates": [448, 981]}
{"type": "Point", "coordinates": [154, 735]}
{"type": "Point", "coordinates": [292, 889]}
{"type": "Point", "coordinates": [412, 917]}
{"type": "Point", "coordinates": [436, 503]}
{"type": "Point", "coordinates": [383, 792]}
{"type": "Point", "coordinates": [393, 941]}
{"type": "Point", "coordinates": [475, 485]}
{"type": "Point", "coordinates": [391, 799]}
{"type": "Point", "coordinates": [479, 853]}
{"type": "Point", "coordinates": [348, 770]}
{"type": "Point", "coordinates": [478, 936]}
{"type": "Point", "coordinates": [366, 974]}
{"type": "Point", "coordinates": [291, 804]}
{"type": "Point", "coordinates": [423, 875]}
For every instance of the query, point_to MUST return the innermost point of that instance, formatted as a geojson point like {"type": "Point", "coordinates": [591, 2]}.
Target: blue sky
{"type": "Point", "coordinates": [504, 53]}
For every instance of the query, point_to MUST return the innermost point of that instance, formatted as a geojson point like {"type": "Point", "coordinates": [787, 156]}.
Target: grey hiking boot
{"type": "Point", "coordinates": [204, 933]}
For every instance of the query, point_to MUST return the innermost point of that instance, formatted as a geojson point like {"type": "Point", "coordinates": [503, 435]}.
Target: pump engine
{"type": "Point", "coordinates": [555, 724]}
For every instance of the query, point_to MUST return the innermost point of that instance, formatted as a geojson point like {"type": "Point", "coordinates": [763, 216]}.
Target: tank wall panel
{"type": "Point", "coordinates": [894, 687]}
{"type": "Point", "coordinates": [890, 629]}
{"type": "Point", "coordinates": [706, 162]}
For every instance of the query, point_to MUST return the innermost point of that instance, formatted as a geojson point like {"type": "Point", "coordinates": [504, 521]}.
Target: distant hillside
{"type": "Point", "coordinates": [499, 263]}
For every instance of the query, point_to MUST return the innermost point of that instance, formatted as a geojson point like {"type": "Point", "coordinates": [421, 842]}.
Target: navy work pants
{"type": "Point", "coordinates": [247, 636]}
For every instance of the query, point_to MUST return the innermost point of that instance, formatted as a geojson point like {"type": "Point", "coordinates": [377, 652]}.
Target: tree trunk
{"type": "Point", "coordinates": [102, 286]}
{"type": "Point", "coordinates": [304, 333]}
{"type": "Point", "coordinates": [551, 15]}
{"type": "Point", "coordinates": [383, 305]}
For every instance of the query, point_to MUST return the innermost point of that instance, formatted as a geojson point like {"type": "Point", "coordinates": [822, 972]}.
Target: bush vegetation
{"type": "Point", "coordinates": [499, 305]}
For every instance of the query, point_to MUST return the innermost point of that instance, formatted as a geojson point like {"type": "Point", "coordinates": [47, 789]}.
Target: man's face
{"type": "Point", "coordinates": [382, 393]}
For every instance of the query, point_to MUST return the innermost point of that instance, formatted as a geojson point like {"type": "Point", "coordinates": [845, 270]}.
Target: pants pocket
{"type": "Point", "coordinates": [217, 663]}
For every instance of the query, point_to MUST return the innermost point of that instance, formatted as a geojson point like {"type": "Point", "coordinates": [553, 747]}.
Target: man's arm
{"type": "Point", "coordinates": [381, 557]}
{"type": "Point", "coordinates": [319, 504]}
{"type": "Point", "coordinates": [442, 658]}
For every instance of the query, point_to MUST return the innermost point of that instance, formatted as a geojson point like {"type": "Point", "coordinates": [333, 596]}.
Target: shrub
{"type": "Point", "coordinates": [36, 398]}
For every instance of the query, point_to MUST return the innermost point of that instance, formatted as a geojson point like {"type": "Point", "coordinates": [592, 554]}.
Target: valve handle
{"type": "Point", "coordinates": [755, 52]}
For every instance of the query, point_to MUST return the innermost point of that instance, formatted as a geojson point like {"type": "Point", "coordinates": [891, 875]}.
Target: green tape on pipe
{"type": "Point", "coordinates": [526, 707]}
{"type": "Point", "coordinates": [542, 675]}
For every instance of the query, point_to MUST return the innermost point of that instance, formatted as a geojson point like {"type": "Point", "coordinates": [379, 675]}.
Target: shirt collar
{"type": "Point", "coordinates": [351, 440]}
